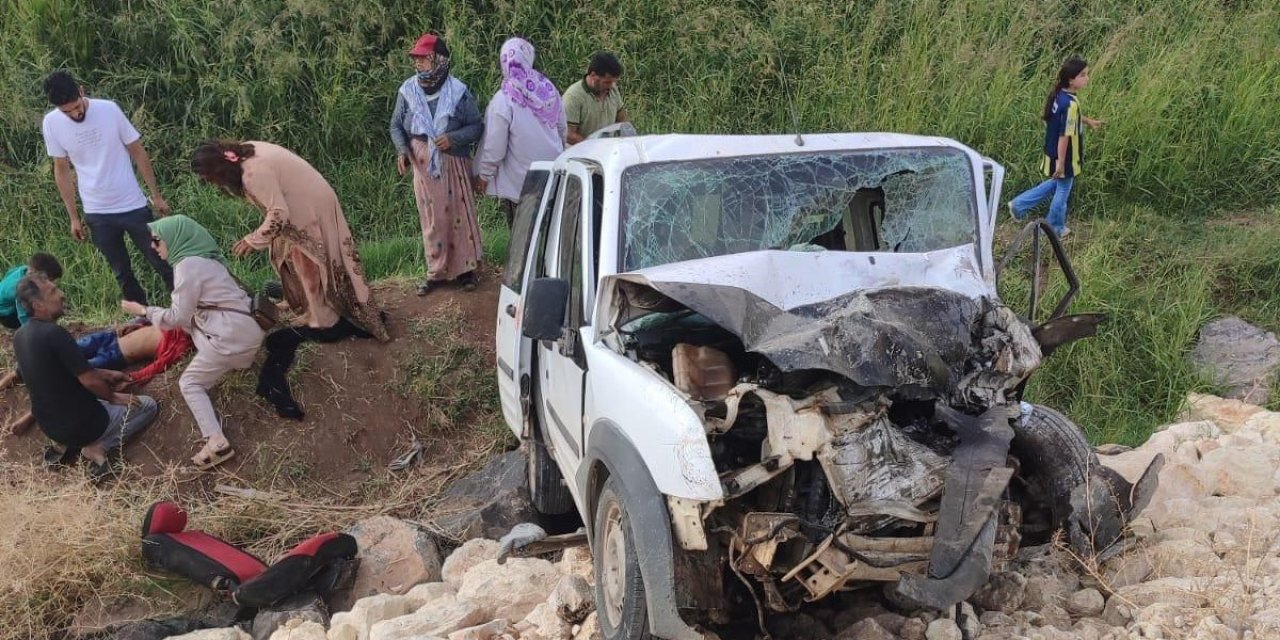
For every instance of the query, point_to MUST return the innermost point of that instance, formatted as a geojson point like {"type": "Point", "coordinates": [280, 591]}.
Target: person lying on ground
{"type": "Point", "coordinates": [118, 349]}
{"type": "Point", "coordinates": [135, 343]}
{"type": "Point", "coordinates": [211, 306]}
{"type": "Point", "coordinates": [77, 406]}
{"type": "Point", "coordinates": [12, 315]}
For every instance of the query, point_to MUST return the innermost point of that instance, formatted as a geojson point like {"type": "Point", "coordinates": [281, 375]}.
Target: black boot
{"type": "Point", "coordinates": [285, 405]}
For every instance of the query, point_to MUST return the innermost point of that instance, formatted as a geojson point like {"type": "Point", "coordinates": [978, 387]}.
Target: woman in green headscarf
{"type": "Point", "coordinates": [208, 304]}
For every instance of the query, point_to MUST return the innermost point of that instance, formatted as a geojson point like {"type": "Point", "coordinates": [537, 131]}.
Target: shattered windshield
{"type": "Point", "coordinates": [908, 200]}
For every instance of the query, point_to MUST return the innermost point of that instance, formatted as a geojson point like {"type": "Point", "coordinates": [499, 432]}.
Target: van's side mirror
{"type": "Point", "coordinates": [544, 308]}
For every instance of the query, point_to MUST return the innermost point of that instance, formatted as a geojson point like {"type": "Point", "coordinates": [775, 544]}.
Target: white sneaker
{"type": "Point", "coordinates": [1064, 233]}
{"type": "Point", "coordinates": [1013, 214]}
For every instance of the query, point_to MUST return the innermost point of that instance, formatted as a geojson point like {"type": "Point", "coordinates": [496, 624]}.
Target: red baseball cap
{"type": "Point", "coordinates": [425, 46]}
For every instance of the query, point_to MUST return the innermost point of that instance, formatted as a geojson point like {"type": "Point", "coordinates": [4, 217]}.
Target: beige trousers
{"type": "Point", "coordinates": [205, 370]}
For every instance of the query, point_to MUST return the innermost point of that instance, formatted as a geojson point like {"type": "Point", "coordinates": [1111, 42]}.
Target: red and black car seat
{"type": "Point", "coordinates": [194, 555]}
{"type": "Point", "coordinates": [314, 564]}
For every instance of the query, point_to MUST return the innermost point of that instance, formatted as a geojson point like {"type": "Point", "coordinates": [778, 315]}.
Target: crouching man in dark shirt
{"type": "Point", "coordinates": [76, 406]}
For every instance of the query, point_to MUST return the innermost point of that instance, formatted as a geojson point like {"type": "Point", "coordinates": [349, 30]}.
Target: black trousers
{"type": "Point", "coordinates": [282, 348]}
{"type": "Point", "coordinates": [108, 231]}
{"type": "Point", "coordinates": [508, 211]}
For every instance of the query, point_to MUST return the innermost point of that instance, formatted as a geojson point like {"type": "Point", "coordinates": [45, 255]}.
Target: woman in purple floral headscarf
{"type": "Point", "coordinates": [523, 124]}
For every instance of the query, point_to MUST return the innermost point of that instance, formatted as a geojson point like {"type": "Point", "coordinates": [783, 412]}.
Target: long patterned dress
{"type": "Point", "coordinates": [308, 240]}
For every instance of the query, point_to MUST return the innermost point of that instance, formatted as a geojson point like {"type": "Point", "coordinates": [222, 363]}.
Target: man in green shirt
{"type": "Point", "coordinates": [12, 315]}
{"type": "Point", "coordinates": [594, 102]}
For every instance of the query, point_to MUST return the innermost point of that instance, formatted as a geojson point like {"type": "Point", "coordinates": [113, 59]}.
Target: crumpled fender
{"type": "Point", "coordinates": [650, 523]}
{"type": "Point", "coordinates": [964, 540]}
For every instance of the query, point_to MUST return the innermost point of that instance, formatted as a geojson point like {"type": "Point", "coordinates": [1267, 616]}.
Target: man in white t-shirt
{"type": "Point", "coordinates": [96, 139]}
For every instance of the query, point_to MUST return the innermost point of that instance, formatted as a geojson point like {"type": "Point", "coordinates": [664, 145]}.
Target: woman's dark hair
{"type": "Point", "coordinates": [1066, 73]}
{"type": "Point", "coordinates": [218, 162]}
{"type": "Point", "coordinates": [61, 88]}
{"type": "Point", "coordinates": [46, 264]}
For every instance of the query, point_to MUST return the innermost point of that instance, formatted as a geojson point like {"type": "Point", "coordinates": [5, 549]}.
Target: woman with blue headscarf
{"type": "Point", "coordinates": [435, 127]}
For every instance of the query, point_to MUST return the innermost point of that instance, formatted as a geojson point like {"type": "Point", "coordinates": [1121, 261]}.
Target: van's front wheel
{"type": "Point", "coordinates": [1069, 489]}
{"type": "Point", "coordinates": [620, 596]}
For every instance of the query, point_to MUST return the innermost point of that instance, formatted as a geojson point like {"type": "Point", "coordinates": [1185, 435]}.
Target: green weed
{"type": "Point", "coordinates": [453, 378]}
{"type": "Point", "coordinates": [1158, 280]}
{"type": "Point", "coordinates": [1187, 89]}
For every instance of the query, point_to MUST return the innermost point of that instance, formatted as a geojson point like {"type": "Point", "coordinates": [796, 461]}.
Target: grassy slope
{"type": "Point", "coordinates": [1159, 280]}
{"type": "Point", "coordinates": [1187, 88]}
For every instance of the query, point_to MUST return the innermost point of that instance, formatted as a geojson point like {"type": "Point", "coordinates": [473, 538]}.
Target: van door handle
{"type": "Point", "coordinates": [511, 310]}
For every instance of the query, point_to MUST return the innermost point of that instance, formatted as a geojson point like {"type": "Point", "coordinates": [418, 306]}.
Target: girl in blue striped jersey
{"type": "Point", "coordinates": [1063, 146]}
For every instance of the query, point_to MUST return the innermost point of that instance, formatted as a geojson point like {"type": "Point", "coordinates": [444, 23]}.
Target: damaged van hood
{"type": "Point", "coordinates": [788, 279]}
{"type": "Point", "coordinates": [910, 322]}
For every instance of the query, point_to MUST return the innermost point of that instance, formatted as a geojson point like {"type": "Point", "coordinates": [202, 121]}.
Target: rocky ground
{"type": "Point", "coordinates": [1204, 566]}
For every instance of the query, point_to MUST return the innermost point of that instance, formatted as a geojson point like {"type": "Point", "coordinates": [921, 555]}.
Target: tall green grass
{"type": "Point", "coordinates": [1187, 88]}
{"type": "Point", "coordinates": [1158, 280]}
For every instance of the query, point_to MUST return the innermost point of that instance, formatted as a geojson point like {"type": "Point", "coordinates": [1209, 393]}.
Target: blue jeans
{"type": "Point", "coordinates": [1059, 188]}
{"type": "Point", "coordinates": [107, 231]}
{"type": "Point", "coordinates": [102, 350]}
{"type": "Point", "coordinates": [123, 423]}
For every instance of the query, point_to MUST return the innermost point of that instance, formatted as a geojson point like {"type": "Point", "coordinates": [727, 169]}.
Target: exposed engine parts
{"type": "Point", "coordinates": [869, 442]}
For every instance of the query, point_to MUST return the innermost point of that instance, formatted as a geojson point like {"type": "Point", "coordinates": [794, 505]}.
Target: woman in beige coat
{"type": "Point", "coordinates": [310, 246]}
{"type": "Point", "coordinates": [303, 230]}
{"type": "Point", "coordinates": [208, 304]}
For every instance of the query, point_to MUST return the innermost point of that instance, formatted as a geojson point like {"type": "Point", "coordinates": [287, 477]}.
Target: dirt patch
{"type": "Point", "coordinates": [365, 402]}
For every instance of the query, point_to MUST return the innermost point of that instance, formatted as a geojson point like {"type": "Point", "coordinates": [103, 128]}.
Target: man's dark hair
{"type": "Point", "coordinates": [29, 290]}
{"type": "Point", "coordinates": [61, 87]}
{"type": "Point", "coordinates": [46, 264]}
{"type": "Point", "coordinates": [604, 63]}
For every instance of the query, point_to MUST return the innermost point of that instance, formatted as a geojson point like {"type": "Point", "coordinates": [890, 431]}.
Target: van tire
{"type": "Point", "coordinates": [1055, 458]}
{"type": "Point", "coordinates": [547, 489]}
{"type": "Point", "coordinates": [622, 610]}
